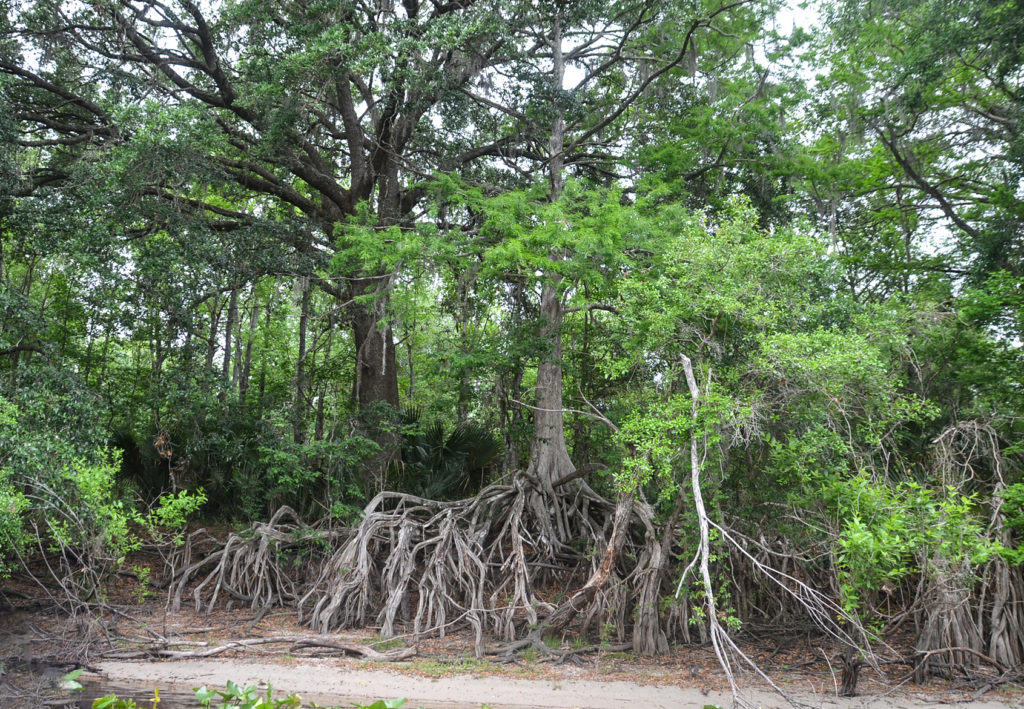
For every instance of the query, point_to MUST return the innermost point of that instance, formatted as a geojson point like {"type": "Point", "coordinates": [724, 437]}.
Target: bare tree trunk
{"type": "Point", "coordinates": [299, 384]}
{"type": "Point", "coordinates": [156, 372]}
{"type": "Point", "coordinates": [556, 141]}
{"type": "Point", "coordinates": [704, 553]}
{"type": "Point", "coordinates": [229, 331]}
{"type": "Point", "coordinates": [211, 341]}
{"type": "Point", "coordinates": [509, 390]}
{"type": "Point", "coordinates": [246, 374]}
{"type": "Point", "coordinates": [376, 378]}
{"type": "Point", "coordinates": [318, 428]}
{"type": "Point", "coordinates": [462, 319]}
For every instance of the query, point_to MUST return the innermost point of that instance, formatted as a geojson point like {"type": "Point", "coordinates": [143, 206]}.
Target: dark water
{"type": "Point", "coordinates": [170, 698]}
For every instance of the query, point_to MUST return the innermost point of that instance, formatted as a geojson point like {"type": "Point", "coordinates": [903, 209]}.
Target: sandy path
{"type": "Point", "coordinates": [328, 682]}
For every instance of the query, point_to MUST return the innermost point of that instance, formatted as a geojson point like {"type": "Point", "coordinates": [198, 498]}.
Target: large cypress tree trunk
{"type": "Point", "coordinates": [376, 376]}
{"type": "Point", "coordinates": [549, 456]}
{"type": "Point", "coordinates": [376, 385]}
{"type": "Point", "coordinates": [376, 366]}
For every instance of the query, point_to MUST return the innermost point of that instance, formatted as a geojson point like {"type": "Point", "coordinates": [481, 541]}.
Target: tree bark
{"type": "Point", "coordinates": [376, 381]}
{"type": "Point", "coordinates": [229, 329]}
{"type": "Point", "coordinates": [318, 428]}
{"type": "Point", "coordinates": [376, 365]}
{"type": "Point", "coordinates": [549, 456]}
{"type": "Point", "coordinates": [299, 387]}
{"type": "Point", "coordinates": [246, 374]}
{"type": "Point", "coordinates": [211, 341]}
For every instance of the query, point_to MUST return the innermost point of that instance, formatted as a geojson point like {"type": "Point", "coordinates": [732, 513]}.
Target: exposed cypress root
{"type": "Point", "coordinates": [970, 629]}
{"type": "Point", "coordinates": [1005, 620]}
{"type": "Point", "coordinates": [971, 616]}
{"type": "Point", "coordinates": [949, 624]}
{"type": "Point", "coordinates": [257, 567]}
{"type": "Point", "coordinates": [486, 562]}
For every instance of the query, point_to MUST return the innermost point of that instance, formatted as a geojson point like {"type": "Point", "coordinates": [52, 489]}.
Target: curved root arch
{"type": "Point", "coordinates": [483, 562]}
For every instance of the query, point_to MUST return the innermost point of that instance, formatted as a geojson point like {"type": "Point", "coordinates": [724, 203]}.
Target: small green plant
{"type": "Point", "coordinates": [112, 701]}
{"type": "Point", "coordinates": [238, 697]}
{"type": "Point", "coordinates": [143, 592]}
{"type": "Point", "coordinates": [607, 630]}
{"type": "Point", "coordinates": [69, 682]}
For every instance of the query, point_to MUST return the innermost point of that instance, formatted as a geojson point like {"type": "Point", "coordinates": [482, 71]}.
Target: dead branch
{"type": "Point", "coordinates": [170, 649]}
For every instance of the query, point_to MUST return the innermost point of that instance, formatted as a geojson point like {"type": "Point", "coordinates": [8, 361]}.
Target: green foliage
{"type": "Point", "coordinates": [658, 435]}
{"type": "Point", "coordinates": [102, 520]}
{"type": "Point", "coordinates": [889, 532]}
{"type": "Point", "coordinates": [1013, 508]}
{"type": "Point", "coordinates": [440, 465]}
{"type": "Point", "coordinates": [296, 473]}
{"type": "Point", "coordinates": [237, 697]}
{"type": "Point", "coordinates": [66, 497]}
{"type": "Point", "coordinates": [13, 502]}
{"type": "Point", "coordinates": [739, 301]}
{"type": "Point", "coordinates": [51, 485]}
{"type": "Point", "coordinates": [166, 521]}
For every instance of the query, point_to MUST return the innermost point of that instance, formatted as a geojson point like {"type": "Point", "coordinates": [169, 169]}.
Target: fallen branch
{"type": "Point", "coordinates": [919, 659]}
{"type": "Point", "coordinates": [167, 649]}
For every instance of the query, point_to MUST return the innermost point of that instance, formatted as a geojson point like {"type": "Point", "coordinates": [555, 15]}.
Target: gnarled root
{"type": "Point", "coordinates": [484, 562]}
{"type": "Point", "coordinates": [259, 567]}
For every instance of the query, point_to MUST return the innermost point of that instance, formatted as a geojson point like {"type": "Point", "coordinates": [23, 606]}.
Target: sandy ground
{"type": "Point", "coordinates": [327, 681]}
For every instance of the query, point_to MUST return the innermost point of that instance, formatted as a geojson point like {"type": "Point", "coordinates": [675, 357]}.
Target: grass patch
{"type": "Point", "coordinates": [386, 644]}
{"type": "Point", "coordinates": [617, 655]}
{"type": "Point", "coordinates": [444, 668]}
